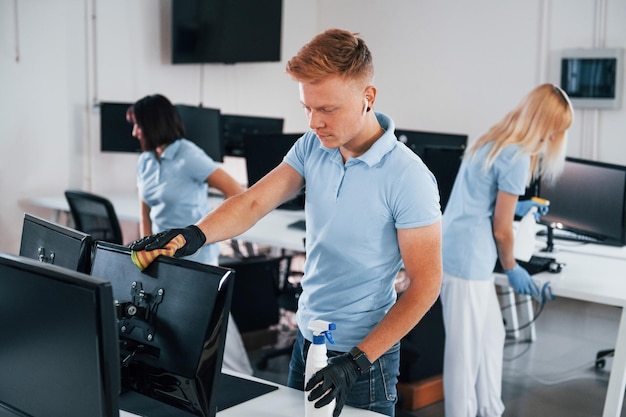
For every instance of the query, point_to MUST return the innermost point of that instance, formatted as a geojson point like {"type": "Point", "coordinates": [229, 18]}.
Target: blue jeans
{"type": "Point", "coordinates": [375, 390]}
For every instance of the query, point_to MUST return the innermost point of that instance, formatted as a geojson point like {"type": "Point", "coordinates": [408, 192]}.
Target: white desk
{"type": "Point", "coordinates": [283, 402]}
{"type": "Point", "coordinates": [596, 274]}
{"type": "Point", "coordinates": [593, 273]}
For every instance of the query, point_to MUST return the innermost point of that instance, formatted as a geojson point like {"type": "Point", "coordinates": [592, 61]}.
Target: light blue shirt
{"type": "Point", "coordinates": [175, 188]}
{"type": "Point", "coordinates": [353, 212]}
{"type": "Point", "coordinates": [469, 248]}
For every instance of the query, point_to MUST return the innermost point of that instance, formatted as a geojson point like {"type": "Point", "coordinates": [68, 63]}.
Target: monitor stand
{"type": "Point", "coordinates": [232, 390]}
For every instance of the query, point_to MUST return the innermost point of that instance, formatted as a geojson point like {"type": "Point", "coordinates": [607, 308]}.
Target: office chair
{"type": "Point", "coordinates": [258, 296]}
{"type": "Point", "coordinates": [94, 215]}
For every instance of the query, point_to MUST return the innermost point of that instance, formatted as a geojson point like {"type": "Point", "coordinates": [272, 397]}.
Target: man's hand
{"type": "Point", "coordinates": [335, 382]}
{"type": "Point", "coordinates": [194, 239]}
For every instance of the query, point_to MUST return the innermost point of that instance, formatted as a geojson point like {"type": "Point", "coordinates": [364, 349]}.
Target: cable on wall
{"type": "Point", "coordinates": [201, 87]}
{"type": "Point", "coordinates": [17, 31]}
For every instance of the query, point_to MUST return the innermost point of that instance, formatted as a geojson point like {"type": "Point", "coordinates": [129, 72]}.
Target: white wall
{"type": "Point", "coordinates": [452, 66]}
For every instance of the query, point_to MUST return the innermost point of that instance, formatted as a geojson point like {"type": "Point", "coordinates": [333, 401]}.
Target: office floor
{"type": "Point", "coordinates": [552, 377]}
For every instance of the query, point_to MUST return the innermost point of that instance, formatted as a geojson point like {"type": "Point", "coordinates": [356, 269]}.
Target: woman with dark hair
{"type": "Point", "coordinates": [173, 178]}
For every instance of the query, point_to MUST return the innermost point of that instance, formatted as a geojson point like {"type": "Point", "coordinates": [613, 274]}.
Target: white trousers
{"type": "Point", "coordinates": [235, 355]}
{"type": "Point", "coordinates": [474, 345]}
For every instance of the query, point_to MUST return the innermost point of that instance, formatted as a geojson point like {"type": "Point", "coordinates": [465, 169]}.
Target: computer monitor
{"type": "Point", "coordinates": [59, 350]}
{"type": "Point", "coordinates": [234, 127]}
{"type": "Point", "coordinates": [589, 200]}
{"type": "Point", "coordinates": [202, 127]}
{"type": "Point", "coordinates": [264, 153]}
{"type": "Point", "coordinates": [172, 320]}
{"type": "Point", "coordinates": [441, 152]}
{"type": "Point", "coordinates": [55, 244]}
{"type": "Point", "coordinates": [116, 134]}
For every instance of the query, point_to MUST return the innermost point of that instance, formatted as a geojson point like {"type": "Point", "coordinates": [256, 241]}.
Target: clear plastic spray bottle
{"type": "Point", "coordinates": [317, 359]}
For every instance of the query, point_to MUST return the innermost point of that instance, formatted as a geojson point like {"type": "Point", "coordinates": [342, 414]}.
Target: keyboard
{"type": "Point", "coordinates": [298, 225]}
{"type": "Point", "coordinates": [534, 265]}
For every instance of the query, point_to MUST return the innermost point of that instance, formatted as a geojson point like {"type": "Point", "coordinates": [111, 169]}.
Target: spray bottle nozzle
{"type": "Point", "coordinates": [322, 329]}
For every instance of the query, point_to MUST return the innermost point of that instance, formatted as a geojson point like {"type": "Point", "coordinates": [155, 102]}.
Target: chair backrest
{"type": "Point", "coordinates": [95, 215]}
{"type": "Point", "coordinates": [255, 293]}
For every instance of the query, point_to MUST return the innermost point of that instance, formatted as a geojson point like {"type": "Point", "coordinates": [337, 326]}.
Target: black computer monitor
{"type": "Point", "coordinates": [202, 127]}
{"type": "Point", "coordinates": [235, 127]}
{"type": "Point", "coordinates": [55, 244]}
{"type": "Point", "coordinates": [441, 152]}
{"type": "Point", "coordinates": [116, 134]}
{"type": "Point", "coordinates": [589, 200]}
{"type": "Point", "coordinates": [264, 153]}
{"type": "Point", "coordinates": [59, 350]}
{"type": "Point", "coordinates": [172, 328]}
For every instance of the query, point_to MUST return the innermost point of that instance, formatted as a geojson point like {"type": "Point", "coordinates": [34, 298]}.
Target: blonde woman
{"type": "Point", "coordinates": [478, 229]}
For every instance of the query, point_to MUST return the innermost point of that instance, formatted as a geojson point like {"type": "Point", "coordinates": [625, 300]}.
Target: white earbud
{"type": "Point", "coordinates": [367, 103]}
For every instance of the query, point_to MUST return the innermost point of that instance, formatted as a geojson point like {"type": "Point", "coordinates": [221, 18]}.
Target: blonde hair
{"type": "Point", "coordinates": [333, 52]}
{"type": "Point", "coordinates": [539, 125]}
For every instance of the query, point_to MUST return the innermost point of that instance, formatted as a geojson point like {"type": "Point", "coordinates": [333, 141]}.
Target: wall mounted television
{"type": "Point", "coordinates": [587, 203]}
{"type": "Point", "coordinates": [226, 31]}
{"type": "Point", "coordinates": [59, 342]}
{"type": "Point", "coordinates": [441, 152]}
{"type": "Point", "coordinates": [593, 77]}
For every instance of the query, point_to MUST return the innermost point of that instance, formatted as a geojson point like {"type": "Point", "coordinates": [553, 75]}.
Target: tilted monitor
{"type": "Point", "coordinates": [59, 350]}
{"type": "Point", "coordinates": [172, 328]}
{"type": "Point", "coordinates": [55, 244]}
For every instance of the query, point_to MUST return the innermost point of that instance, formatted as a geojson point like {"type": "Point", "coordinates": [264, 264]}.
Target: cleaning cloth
{"type": "Point", "coordinates": [143, 258]}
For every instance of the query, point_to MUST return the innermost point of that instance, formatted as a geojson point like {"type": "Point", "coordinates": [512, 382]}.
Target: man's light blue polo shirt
{"type": "Point", "coordinates": [353, 211]}
{"type": "Point", "coordinates": [469, 248]}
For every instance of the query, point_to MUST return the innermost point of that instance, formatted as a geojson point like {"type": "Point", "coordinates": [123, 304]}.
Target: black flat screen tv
{"type": "Point", "coordinates": [172, 320]}
{"type": "Point", "coordinates": [55, 244]}
{"type": "Point", "coordinates": [226, 31]}
{"type": "Point", "coordinates": [59, 349]}
{"type": "Point", "coordinates": [441, 152]}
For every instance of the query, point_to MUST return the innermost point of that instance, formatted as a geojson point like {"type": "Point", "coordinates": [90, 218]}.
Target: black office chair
{"type": "Point", "coordinates": [95, 215]}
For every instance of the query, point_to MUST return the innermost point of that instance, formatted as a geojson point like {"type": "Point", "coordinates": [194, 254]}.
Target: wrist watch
{"type": "Point", "coordinates": [360, 359]}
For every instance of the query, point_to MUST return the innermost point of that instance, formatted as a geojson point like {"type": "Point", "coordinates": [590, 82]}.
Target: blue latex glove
{"type": "Point", "coordinates": [520, 280]}
{"type": "Point", "coordinates": [524, 206]}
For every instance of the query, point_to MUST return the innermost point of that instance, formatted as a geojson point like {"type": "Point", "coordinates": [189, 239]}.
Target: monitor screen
{"type": "Point", "coordinates": [441, 152]}
{"type": "Point", "coordinates": [172, 320]}
{"type": "Point", "coordinates": [235, 127]}
{"type": "Point", "coordinates": [115, 132]}
{"type": "Point", "coordinates": [59, 342]}
{"type": "Point", "coordinates": [588, 198]}
{"type": "Point", "coordinates": [202, 127]}
{"type": "Point", "coordinates": [263, 154]}
{"type": "Point", "coordinates": [226, 31]}
{"type": "Point", "coordinates": [55, 244]}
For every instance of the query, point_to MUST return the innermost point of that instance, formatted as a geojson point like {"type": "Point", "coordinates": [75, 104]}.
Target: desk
{"type": "Point", "coordinates": [593, 273]}
{"type": "Point", "coordinates": [283, 402]}
{"type": "Point", "coordinates": [271, 230]}
{"type": "Point", "coordinates": [596, 274]}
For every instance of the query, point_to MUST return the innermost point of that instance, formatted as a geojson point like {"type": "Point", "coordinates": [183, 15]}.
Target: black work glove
{"type": "Point", "coordinates": [194, 239]}
{"type": "Point", "coordinates": [335, 382]}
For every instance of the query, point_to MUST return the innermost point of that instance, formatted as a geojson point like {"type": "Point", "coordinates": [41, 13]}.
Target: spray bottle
{"type": "Point", "coordinates": [316, 360]}
{"type": "Point", "coordinates": [524, 243]}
